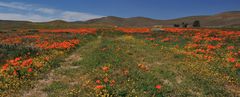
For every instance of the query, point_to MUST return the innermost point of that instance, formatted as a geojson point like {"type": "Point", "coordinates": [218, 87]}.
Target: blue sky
{"type": "Point", "coordinates": [75, 10]}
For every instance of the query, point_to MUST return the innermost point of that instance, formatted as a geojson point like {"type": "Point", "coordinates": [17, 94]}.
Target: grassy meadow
{"type": "Point", "coordinates": [120, 63]}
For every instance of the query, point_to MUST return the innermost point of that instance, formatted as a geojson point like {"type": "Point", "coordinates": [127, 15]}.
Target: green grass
{"type": "Point", "coordinates": [179, 74]}
{"type": "Point", "coordinates": [55, 88]}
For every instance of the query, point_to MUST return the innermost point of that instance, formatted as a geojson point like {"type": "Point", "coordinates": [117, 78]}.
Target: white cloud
{"type": "Point", "coordinates": [76, 16]}
{"type": "Point", "coordinates": [24, 17]}
{"type": "Point", "coordinates": [35, 13]}
{"type": "Point", "coordinates": [47, 10]}
{"type": "Point", "coordinates": [15, 5]}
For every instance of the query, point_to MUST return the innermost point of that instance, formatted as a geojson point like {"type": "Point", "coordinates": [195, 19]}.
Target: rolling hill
{"type": "Point", "coordinates": [222, 19]}
{"type": "Point", "coordinates": [231, 18]}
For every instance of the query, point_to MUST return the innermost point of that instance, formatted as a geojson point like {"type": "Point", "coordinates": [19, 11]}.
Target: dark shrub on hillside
{"type": "Point", "coordinates": [196, 23]}
{"type": "Point", "coordinates": [33, 30]}
{"type": "Point", "coordinates": [184, 25]}
{"type": "Point", "coordinates": [176, 25]}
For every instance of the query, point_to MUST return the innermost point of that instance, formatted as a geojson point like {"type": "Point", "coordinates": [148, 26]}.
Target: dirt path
{"type": "Point", "coordinates": [55, 75]}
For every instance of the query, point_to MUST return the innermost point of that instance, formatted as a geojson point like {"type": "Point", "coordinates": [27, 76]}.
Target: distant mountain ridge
{"type": "Point", "coordinates": [231, 18]}
{"type": "Point", "coordinates": [222, 19]}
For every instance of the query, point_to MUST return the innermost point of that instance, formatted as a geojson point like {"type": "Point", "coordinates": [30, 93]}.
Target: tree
{"type": "Point", "coordinates": [176, 25]}
{"type": "Point", "coordinates": [196, 23]}
{"type": "Point", "coordinates": [184, 25]}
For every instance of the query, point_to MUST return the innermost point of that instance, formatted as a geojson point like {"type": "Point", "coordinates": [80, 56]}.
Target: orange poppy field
{"type": "Point", "coordinates": [120, 62]}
